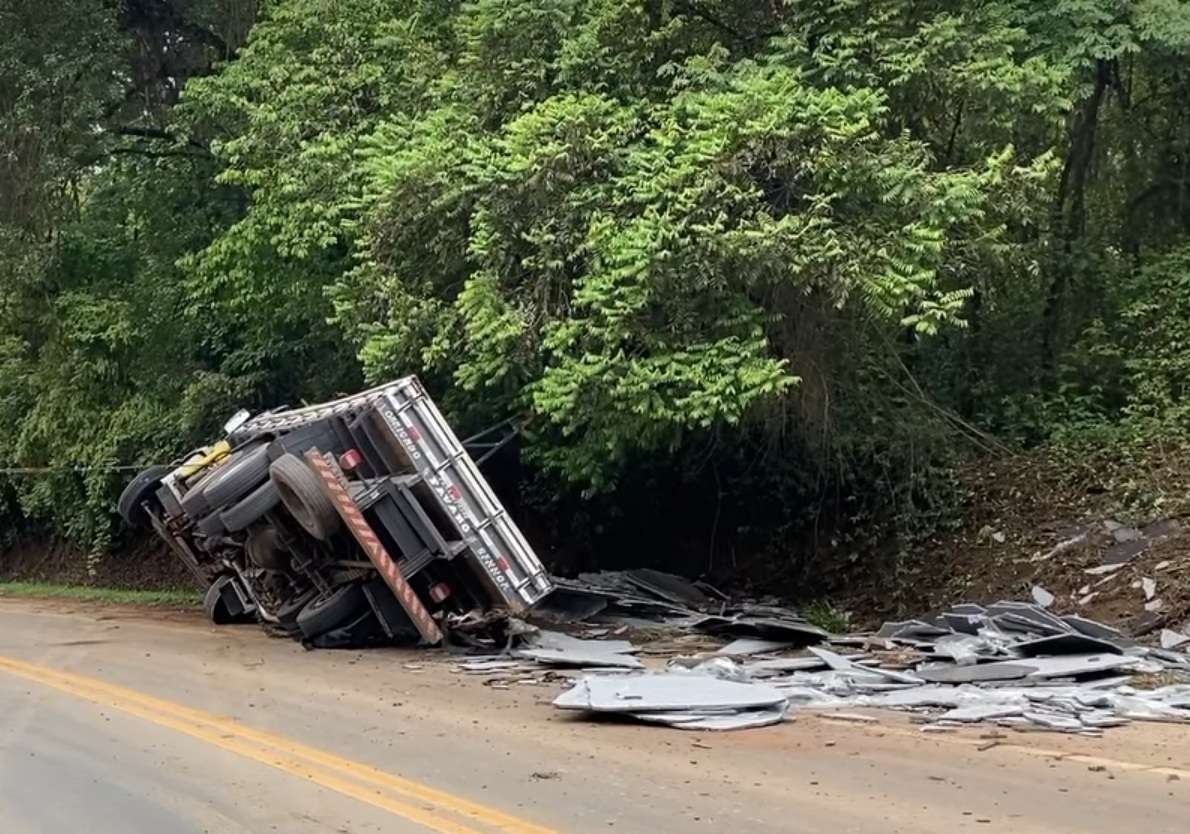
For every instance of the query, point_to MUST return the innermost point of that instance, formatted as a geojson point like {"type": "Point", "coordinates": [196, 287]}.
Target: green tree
{"type": "Point", "coordinates": [813, 249]}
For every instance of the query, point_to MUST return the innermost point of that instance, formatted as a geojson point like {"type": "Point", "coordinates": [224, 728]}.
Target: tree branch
{"type": "Point", "coordinates": [702, 14]}
{"type": "Point", "coordinates": [166, 12]}
{"type": "Point", "coordinates": [155, 154]}
{"type": "Point", "coordinates": [154, 133]}
{"type": "Point", "coordinates": [954, 131]}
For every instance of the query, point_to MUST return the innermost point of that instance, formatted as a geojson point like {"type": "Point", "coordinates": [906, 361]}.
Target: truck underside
{"type": "Point", "coordinates": [362, 520]}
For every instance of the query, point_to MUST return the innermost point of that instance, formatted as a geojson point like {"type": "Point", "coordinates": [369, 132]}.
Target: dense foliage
{"type": "Point", "coordinates": [771, 262]}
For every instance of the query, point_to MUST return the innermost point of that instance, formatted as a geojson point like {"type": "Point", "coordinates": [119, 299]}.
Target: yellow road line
{"type": "Point", "coordinates": [363, 782]}
{"type": "Point", "coordinates": [358, 770]}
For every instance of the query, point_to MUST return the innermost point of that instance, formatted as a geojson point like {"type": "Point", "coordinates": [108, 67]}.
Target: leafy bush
{"type": "Point", "coordinates": [782, 261]}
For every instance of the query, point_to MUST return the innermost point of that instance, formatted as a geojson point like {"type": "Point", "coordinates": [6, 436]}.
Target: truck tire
{"type": "Point", "coordinates": [211, 526]}
{"type": "Point", "coordinates": [339, 607]}
{"type": "Point", "coordinates": [251, 507]}
{"type": "Point", "coordinates": [302, 496]}
{"type": "Point", "coordinates": [288, 612]}
{"type": "Point", "coordinates": [139, 490]}
{"type": "Point", "coordinates": [215, 604]}
{"type": "Point", "coordinates": [237, 477]}
{"type": "Point", "coordinates": [194, 503]}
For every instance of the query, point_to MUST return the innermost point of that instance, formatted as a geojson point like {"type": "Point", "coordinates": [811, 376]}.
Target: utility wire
{"type": "Point", "coordinates": [54, 470]}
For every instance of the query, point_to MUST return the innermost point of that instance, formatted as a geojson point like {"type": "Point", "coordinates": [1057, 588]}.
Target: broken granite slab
{"type": "Point", "coordinates": [715, 722]}
{"type": "Point", "coordinates": [1124, 552]}
{"type": "Point", "coordinates": [1053, 721]}
{"type": "Point", "coordinates": [664, 692]}
{"type": "Point", "coordinates": [1035, 668]}
{"type": "Point", "coordinates": [1024, 625]}
{"type": "Point", "coordinates": [1140, 708]}
{"type": "Point", "coordinates": [1060, 644]}
{"type": "Point", "coordinates": [784, 665]}
{"type": "Point", "coordinates": [1101, 719]}
{"type": "Point", "coordinates": [841, 664]}
{"type": "Point", "coordinates": [716, 666]}
{"type": "Point", "coordinates": [582, 658]}
{"type": "Point", "coordinates": [966, 650]}
{"type": "Point", "coordinates": [797, 632]}
{"type": "Point", "coordinates": [1171, 639]}
{"type": "Point", "coordinates": [1041, 616]}
{"type": "Point", "coordinates": [930, 695]}
{"type": "Point", "coordinates": [949, 673]}
{"type": "Point", "coordinates": [911, 629]}
{"type": "Point", "coordinates": [798, 695]}
{"type": "Point", "coordinates": [554, 648]}
{"type": "Point", "coordinates": [545, 639]}
{"type": "Point", "coordinates": [668, 587]}
{"type": "Point", "coordinates": [1177, 695]}
{"type": "Point", "coordinates": [752, 645]}
{"type": "Point", "coordinates": [1078, 664]}
{"type": "Point", "coordinates": [1043, 597]}
{"type": "Point", "coordinates": [1024, 667]}
{"type": "Point", "coordinates": [964, 623]}
{"type": "Point", "coordinates": [1091, 628]}
{"type": "Point", "coordinates": [983, 712]}
{"type": "Point", "coordinates": [1126, 534]}
{"type": "Point", "coordinates": [1149, 586]}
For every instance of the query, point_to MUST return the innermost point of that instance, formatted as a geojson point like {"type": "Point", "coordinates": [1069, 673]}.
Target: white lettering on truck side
{"type": "Point", "coordinates": [455, 507]}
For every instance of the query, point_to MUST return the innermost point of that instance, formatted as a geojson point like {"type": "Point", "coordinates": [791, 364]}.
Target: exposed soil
{"type": "Point", "coordinates": [1037, 520]}
{"type": "Point", "coordinates": [145, 565]}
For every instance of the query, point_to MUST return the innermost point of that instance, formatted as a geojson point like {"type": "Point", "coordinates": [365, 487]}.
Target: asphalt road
{"type": "Point", "coordinates": [117, 720]}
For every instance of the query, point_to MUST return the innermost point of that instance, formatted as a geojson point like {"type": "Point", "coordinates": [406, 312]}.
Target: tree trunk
{"type": "Point", "coordinates": [1069, 220]}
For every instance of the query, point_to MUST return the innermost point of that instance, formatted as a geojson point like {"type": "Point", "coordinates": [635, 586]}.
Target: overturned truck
{"type": "Point", "coordinates": [362, 520]}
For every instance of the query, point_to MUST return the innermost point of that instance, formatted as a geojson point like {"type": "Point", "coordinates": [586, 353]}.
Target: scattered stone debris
{"type": "Point", "coordinates": [649, 598]}
{"type": "Point", "coordinates": [689, 701]}
{"type": "Point", "coordinates": [710, 663]}
{"type": "Point", "coordinates": [553, 648]}
{"type": "Point", "coordinates": [1123, 534]}
{"type": "Point", "coordinates": [1012, 664]}
{"type": "Point", "coordinates": [751, 645]}
{"type": "Point", "coordinates": [1043, 597]}
{"type": "Point", "coordinates": [1171, 639]}
{"type": "Point", "coordinates": [1149, 586]}
{"type": "Point", "coordinates": [1130, 542]}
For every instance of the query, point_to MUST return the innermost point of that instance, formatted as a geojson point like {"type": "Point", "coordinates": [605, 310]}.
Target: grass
{"type": "Point", "coordinates": [120, 596]}
{"type": "Point", "coordinates": [824, 614]}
